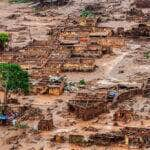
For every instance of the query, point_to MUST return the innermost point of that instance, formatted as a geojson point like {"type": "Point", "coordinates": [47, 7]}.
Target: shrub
{"type": "Point", "coordinates": [86, 13]}
{"type": "Point", "coordinates": [13, 78]}
{"type": "Point", "coordinates": [4, 39]}
{"type": "Point", "coordinates": [147, 55]}
{"type": "Point", "coordinates": [82, 82]}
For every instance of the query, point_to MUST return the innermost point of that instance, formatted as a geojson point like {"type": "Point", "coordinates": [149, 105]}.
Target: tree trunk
{"type": "Point", "coordinates": [1, 47]}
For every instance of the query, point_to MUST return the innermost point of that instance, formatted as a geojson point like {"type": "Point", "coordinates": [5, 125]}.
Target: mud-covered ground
{"type": "Point", "coordinates": [126, 65]}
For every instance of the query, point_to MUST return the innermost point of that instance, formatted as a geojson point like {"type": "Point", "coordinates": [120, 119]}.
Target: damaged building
{"type": "Point", "coordinates": [54, 85]}
{"type": "Point", "coordinates": [137, 136]}
{"type": "Point", "coordinates": [46, 124]}
{"type": "Point", "coordinates": [119, 93]}
{"type": "Point", "coordinates": [125, 115]}
{"type": "Point", "coordinates": [146, 88]}
{"type": "Point", "coordinates": [88, 105]}
{"type": "Point", "coordinates": [79, 64]}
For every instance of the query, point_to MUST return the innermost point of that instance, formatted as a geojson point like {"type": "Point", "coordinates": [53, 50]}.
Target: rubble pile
{"type": "Point", "coordinates": [137, 136]}
{"type": "Point", "coordinates": [125, 115]}
{"type": "Point", "coordinates": [122, 92]}
{"type": "Point", "coordinates": [140, 30]}
{"type": "Point", "coordinates": [46, 124]}
{"type": "Point", "coordinates": [137, 15]}
{"type": "Point", "coordinates": [99, 9]}
{"type": "Point", "coordinates": [88, 105]}
{"type": "Point", "coordinates": [15, 139]}
{"type": "Point", "coordinates": [107, 138]}
{"type": "Point", "coordinates": [131, 136]}
{"type": "Point", "coordinates": [31, 114]}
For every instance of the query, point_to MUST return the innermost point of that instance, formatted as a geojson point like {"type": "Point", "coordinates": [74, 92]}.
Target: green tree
{"type": "Point", "coordinates": [13, 78]}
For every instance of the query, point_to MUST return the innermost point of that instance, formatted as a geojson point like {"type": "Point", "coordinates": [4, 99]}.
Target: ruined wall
{"type": "Point", "coordinates": [56, 90]}
{"type": "Point", "coordinates": [124, 115]}
{"type": "Point", "coordinates": [87, 113]}
{"type": "Point", "coordinates": [45, 124]}
{"type": "Point", "coordinates": [115, 42]}
{"type": "Point", "coordinates": [85, 65]}
{"type": "Point", "coordinates": [137, 136]}
{"type": "Point", "coordinates": [146, 88]}
{"type": "Point", "coordinates": [127, 94]}
{"type": "Point", "coordinates": [88, 106]}
{"type": "Point", "coordinates": [129, 136]}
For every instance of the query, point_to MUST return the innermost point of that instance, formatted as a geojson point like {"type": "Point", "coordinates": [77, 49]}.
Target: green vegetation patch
{"type": "Point", "coordinates": [19, 1]}
{"type": "Point", "coordinates": [86, 13]}
{"type": "Point", "coordinates": [4, 38]}
{"type": "Point", "coordinates": [147, 55]}
{"type": "Point", "coordinates": [13, 78]}
{"type": "Point", "coordinates": [82, 82]}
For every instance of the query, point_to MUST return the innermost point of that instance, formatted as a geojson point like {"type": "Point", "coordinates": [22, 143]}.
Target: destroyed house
{"type": "Point", "coordinates": [107, 139]}
{"type": "Point", "coordinates": [79, 64]}
{"type": "Point", "coordinates": [123, 93]}
{"type": "Point", "coordinates": [84, 50]}
{"type": "Point", "coordinates": [146, 88]}
{"type": "Point", "coordinates": [69, 34]}
{"type": "Point", "coordinates": [40, 87]}
{"type": "Point", "coordinates": [53, 66]}
{"type": "Point", "coordinates": [68, 37]}
{"type": "Point", "coordinates": [46, 124]}
{"type": "Point", "coordinates": [101, 32]}
{"type": "Point", "coordinates": [87, 106]}
{"type": "Point", "coordinates": [125, 115]}
{"type": "Point", "coordinates": [137, 136]}
{"type": "Point", "coordinates": [115, 42]}
{"type": "Point", "coordinates": [142, 30]}
{"type": "Point", "coordinates": [54, 85]}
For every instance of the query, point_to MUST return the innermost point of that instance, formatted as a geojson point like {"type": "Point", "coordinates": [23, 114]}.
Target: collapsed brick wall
{"type": "Point", "coordinates": [131, 136]}
{"type": "Point", "coordinates": [107, 138]}
{"type": "Point", "coordinates": [137, 15]}
{"type": "Point", "coordinates": [101, 139]}
{"type": "Point", "coordinates": [45, 124]}
{"type": "Point", "coordinates": [125, 115]}
{"type": "Point", "coordinates": [79, 40]}
{"type": "Point", "coordinates": [146, 88]}
{"type": "Point", "coordinates": [8, 57]}
{"type": "Point", "coordinates": [90, 50]}
{"type": "Point", "coordinates": [127, 94]}
{"type": "Point", "coordinates": [142, 30]}
{"type": "Point", "coordinates": [115, 42]}
{"type": "Point", "coordinates": [137, 136]}
{"type": "Point", "coordinates": [85, 65]}
{"type": "Point", "coordinates": [86, 106]}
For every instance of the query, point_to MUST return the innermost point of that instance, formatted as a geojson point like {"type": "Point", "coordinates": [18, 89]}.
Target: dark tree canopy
{"type": "Point", "coordinates": [13, 78]}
